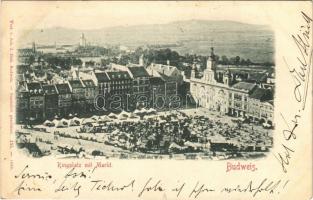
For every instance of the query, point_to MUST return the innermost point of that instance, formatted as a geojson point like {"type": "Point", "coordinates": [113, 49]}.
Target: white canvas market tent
{"type": "Point", "coordinates": [87, 120]}
{"type": "Point", "coordinates": [124, 114]}
{"type": "Point", "coordinates": [151, 110]}
{"type": "Point", "coordinates": [112, 115]}
{"type": "Point", "coordinates": [137, 111]}
{"type": "Point", "coordinates": [60, 124]}
{"type": "Point", "coordinates": [104, 118]}
{"type": "Point", "coordinates": [48, 123]}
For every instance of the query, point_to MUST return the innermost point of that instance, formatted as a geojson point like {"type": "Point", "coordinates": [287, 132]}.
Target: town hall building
{"type": "Point", "coordinates": [226, 96]}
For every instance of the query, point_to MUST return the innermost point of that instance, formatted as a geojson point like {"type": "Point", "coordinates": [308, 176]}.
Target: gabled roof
{"type": "Point", "coordinates": [20, 77]}
{"type": "Point", "coordinates": [76, 83]}
{"type": "Point", "coordinates": [102, 76]}
{"type": "Point", "coordinates": [49, 89]}
{"type": "Point", "coordinates": [258, 77]}
{"type": "Point", "coordinates": [63, 88]}
{"type": "Point", "coordinates": [262, 94]}
{"type": "Point", "coordinates": [244, 86]}
{"type": "Point", "coordinates": [138, 72]}
{"type": "Point", "coordinates": [165, 69]}
{"type": "Point", "coordinates": [270, 102]}
{"type": "Point", "coordinates": [21, 69]}
{"type": "Point", "coordinates": [25, 52]}
{"type": "Point", "coordinates": [167, 78]}
{"type": "Point", "coordinates": [120, 75]}
{"type": "Point", "coordinates": [156, 81]}
{"type": "Point", "coordinates": [89, 83]}
{"type": "Point", "coordinates": [21, 88]}
{"type": "Point", "coordinates": [34, 86]}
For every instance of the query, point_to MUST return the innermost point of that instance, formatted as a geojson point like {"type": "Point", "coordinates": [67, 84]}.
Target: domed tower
{"type": "Point", "coordinates": [210, 64]}
{"type": "Point", "coordinates": [209, 73]}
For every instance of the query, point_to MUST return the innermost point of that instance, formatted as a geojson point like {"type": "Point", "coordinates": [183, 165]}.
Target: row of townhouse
{"type": "Point", "coordinates": [38, 101]}
{"type": "Point", "coordinates": [249, 101]}
{"type": "Point", "coordinates": [99, 91]}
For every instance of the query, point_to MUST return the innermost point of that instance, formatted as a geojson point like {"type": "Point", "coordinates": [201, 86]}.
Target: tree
{"type": "Point", "coordinates": [224, 60]}
{"type": "Point", "coordinates": [31, 59]}
{"type": "Point", "coordinates": [217, 58]}
{"type": "Point", "coordinates": [237, 60]}
{"type": "Point", "coordinates": [124, 60]}
{"type": "Point", "coordinates": [232, 61]}
{"type": "Point", "coordinates": [49, 76]}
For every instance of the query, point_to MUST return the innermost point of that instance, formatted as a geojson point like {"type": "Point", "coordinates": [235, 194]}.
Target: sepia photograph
{"type": "Point", "coordinates": [168, 100]}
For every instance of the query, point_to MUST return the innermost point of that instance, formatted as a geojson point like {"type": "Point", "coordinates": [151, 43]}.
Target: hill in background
{"type": "Point", "coordinates": [254, 42]}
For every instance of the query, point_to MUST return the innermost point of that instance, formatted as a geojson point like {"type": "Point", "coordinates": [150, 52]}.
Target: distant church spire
{"type": "Point", "coordinates": [82, 41]}
{"type": "Point", "coordinates": [34, 47]}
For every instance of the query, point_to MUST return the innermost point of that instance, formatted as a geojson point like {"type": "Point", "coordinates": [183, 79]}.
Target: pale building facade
{"type": "Point", "coordinates": [220, 97]}
{"type": "Point", "coordinates": [207, 92]}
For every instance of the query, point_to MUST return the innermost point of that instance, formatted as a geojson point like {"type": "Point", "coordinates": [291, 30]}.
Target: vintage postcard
{"type": "Point", "coordinates": [156, 100]}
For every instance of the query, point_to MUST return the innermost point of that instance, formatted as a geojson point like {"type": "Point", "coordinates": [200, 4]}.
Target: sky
{"type": "Point", "coordinates": [96, 15]}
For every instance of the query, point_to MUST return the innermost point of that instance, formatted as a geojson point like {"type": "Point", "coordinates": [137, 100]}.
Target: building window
{"type": "Point", "coordinates": [237, 96]}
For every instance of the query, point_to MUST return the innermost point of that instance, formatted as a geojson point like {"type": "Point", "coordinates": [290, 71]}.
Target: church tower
{"type": "Point", "coordinates": [82, 41]}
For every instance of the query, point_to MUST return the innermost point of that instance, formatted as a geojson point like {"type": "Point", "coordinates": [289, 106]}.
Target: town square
{"type": "Point", "coordinates": [88, 100]}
